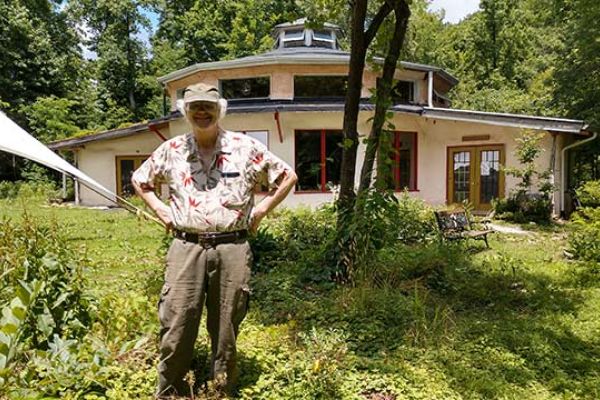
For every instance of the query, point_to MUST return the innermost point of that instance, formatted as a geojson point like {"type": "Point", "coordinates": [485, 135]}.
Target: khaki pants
{"type": "Point", "coordinates": [194, 274]}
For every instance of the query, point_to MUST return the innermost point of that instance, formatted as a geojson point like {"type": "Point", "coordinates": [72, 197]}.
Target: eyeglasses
{"type": "Point", "coordinates": [202, 106]}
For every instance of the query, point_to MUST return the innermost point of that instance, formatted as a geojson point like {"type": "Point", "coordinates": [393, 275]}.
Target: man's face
{"type": "Point", "coordinates": [202, 114]}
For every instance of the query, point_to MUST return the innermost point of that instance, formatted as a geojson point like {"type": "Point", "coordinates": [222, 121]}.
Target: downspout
{"type": "Point", "coordinates": [430, 89]}
{"type": "Point", "coordinates": [553, 168]}
{"type": "Point", "coordinates": [563, 172]}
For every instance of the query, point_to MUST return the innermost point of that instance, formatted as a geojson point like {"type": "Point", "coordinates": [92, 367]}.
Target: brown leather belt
{"type": "Point", "coordinates": [211, 239]}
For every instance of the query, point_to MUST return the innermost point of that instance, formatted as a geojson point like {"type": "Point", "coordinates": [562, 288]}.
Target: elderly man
{"type": "Point", "coordinates": [211, 174]}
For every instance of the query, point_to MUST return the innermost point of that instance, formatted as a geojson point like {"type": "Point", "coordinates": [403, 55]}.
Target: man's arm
{"type": "Point", "coordinates": [161, 210]}
{"type": "Point", "coordinates": [272, 199]}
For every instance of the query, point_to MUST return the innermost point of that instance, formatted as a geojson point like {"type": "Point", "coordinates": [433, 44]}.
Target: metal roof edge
{"type": "Point", "coordinates": [505, 119]}
{"type": "Point", "coordinates": [272, 58]}
{"type": "Point", "coordinates": [109, 134]}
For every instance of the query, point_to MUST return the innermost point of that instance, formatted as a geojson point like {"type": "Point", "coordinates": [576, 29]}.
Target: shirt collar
{"type": "Point", "coordinates": [222, 145]}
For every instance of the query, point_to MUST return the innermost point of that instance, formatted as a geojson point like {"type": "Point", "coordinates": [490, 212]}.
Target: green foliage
{"type": "Point", "coordinates": [12, 324]}
{"type": "Point", "coordinates": [432, 322]}
{"type": "Point", "coordinates": [40, 189]}
{"type": "Point", "coordinates": [381, 221]}
{"type": "Point", "coordinates": [589, 194]}
{"type": "Point", "coordinates": [576, 75]}
{"type": "Point", "coordinates": [35, 253]}
{"type": "Point", "coordinates": [584, 239]}
{"type": "Point", "coordinates": [51, 118]}
{"type": "Point", "coordinates": [209, 31]}
{"type": "Point", "coordinates": [40, 54]}
{"type": "Point", "coordinates": [523, 204]}
{"type": "Point", "coordinates": [301, 236]}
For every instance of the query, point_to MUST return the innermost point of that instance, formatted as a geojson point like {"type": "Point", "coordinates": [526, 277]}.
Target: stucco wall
{"type": "Point", "coordinates": [98, 160]}
{"type": "Point", "coordinates": [282, 79]}
{"type": "Point", "coordinates": [433, 139]}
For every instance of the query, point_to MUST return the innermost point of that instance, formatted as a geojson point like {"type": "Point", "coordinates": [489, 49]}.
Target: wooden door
{"type": "Point", "coordinates": [474, 175]}
{"type": "Point", "coordinates": [126, 165]}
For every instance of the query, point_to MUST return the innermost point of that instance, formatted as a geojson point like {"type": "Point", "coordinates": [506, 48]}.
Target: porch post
{"type": "Point", "coordinates": [64, 185]}
{"type": "Point", "coordinates": [430, 89]}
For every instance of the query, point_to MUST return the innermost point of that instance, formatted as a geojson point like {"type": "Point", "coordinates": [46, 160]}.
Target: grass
{"type": "Point", "coordinates": [517, 321]}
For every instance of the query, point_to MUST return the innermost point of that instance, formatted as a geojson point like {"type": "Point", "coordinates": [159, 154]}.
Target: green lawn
{"type": "Point", "coordinates": [517, 321]}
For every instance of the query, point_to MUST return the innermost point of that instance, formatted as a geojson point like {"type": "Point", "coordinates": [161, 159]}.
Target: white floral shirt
{"type": "Point", "coordinates": [217, 200]}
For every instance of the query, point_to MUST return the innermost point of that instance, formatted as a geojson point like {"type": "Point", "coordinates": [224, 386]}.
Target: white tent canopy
{"type": "Point", "coordinates": [15, 140]}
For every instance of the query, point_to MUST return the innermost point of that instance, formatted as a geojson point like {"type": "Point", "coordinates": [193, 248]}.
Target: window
{"type": "Point", "coordinates": [322, 38]}
{"type": "Point", "coordinates": [125, 167]}
{"type": "Point", "coordinates": [247, 88]}
{"type": "Point", "coordinates": [261, 136]}
{"type": "Point", "coordinates": [320, 86]}
{"type": "Point", "coordinates": [318, 159]}
{"type": "Point", "coordinates": [294, 38]}
{"type": "Point", "coordinates": [403, 92]}
{"type": "Point", "coordinates": [403, 159]}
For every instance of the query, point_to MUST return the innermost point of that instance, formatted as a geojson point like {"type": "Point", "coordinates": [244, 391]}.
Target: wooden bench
{"type": "Point", "coordinates": [455, 225]}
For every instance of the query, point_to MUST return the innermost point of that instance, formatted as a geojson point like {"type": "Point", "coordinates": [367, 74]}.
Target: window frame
{"type": "Point", "coordinates": [322, 159]}
{"type": "Point", "coordinates": [331, 41]}
{"type": "Point", "coordinates": [268, 77]}
{"type": "Point", "coordinates": [138, 160]}
{"type": "Point", "coordinates": [285, 40]}
{"type": "Point", "coordinates": [412, 91]}
{"type": "Point", "coordinates": [396, 172]}
{"type": "Point", "coordinates": [316, 76]}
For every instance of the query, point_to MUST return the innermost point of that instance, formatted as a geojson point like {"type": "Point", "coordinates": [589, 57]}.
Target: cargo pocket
{"type": "Point", "coordinates": [162, 312]}
{"type": "Point", "coordinates": [242, 305]}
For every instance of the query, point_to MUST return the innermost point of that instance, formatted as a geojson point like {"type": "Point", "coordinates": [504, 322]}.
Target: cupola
{"type": "Point", "coordinates": [296, 34]}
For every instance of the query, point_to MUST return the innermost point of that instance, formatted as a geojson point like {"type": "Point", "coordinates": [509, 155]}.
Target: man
{"type": "Point", "coordinates": [211, 174]}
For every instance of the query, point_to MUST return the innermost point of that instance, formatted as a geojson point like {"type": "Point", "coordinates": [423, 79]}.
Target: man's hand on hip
{"type": "Point", "coordinates": [257, 216]}
{"type": "Point", "coordinates": [164, 214]}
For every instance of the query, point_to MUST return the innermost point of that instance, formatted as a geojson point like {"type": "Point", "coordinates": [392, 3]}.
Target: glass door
{"type": "Point", "coordinates": [474, 175]}
{"type": "Point", "coordinates": [126, 165]}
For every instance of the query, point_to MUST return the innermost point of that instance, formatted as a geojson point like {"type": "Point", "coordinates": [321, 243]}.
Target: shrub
{"type": "Point", "coordinates": [523, 208]}
{"type": "Point", "coordinates": [30, 252]}
{"type": "Point", "coordinates": [42, 190]}
{"type": "Point", "coordinates": [525, 204]}
{"type": "Point", "coordinates": [584, 240]}
{"type": "Point", "coordinates": [589, 194]}
{"type": "Point", "coordinates": [301, 236]}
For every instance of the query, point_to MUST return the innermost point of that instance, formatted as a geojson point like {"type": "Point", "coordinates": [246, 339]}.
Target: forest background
{"type": "Point", "coordinates": [539, 57]}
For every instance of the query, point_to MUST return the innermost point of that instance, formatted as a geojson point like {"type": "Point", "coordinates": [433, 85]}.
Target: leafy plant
{"type": "Point", "coordinates": [12, 324]}
{"type": "Point", "coordinates": [30, 252]}
{"type": "Point", "coordinates": [524, 204]}
{"type": "Point", "coordinates": [584, 239]}
{"type": "Point", "coordinates": [589, 194]}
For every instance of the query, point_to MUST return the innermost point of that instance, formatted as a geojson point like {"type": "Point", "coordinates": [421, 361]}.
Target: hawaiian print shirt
{"type": "Point", "coordinates": [217, 200]}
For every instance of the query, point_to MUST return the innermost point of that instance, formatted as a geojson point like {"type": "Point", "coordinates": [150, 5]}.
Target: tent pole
{"type": "Point", "coordinates": [76, 186]}
{"type": "Point", "coordinates": [64, 185]}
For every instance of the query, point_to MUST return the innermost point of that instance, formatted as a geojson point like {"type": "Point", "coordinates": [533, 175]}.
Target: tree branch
{"type": "Point", "coordinates": [383, 12]}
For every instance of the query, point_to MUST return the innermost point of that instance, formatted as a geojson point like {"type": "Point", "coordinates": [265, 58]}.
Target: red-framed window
{"type": "Point", "coordinates": [404, 161]}
{"type": "Point", "coordinates": [318, 159]}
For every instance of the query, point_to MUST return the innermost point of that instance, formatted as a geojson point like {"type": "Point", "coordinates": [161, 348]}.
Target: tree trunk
{"type": "Point", "coordinates": [351, 108]}
{"type": "Point", "coordinates": [360, 41]}
{"type": "Point", "coordinates": [384, 87]}
{"type": "Point", "coordinates": [130, 69]}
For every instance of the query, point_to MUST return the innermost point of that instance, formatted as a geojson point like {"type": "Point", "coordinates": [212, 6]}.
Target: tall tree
{"type": "Point", "coordinates": [40, 54]}
{"type": "Point", "coordinates": [113, 27]}
{"type": "Point", "coordinates": [222, 29]}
